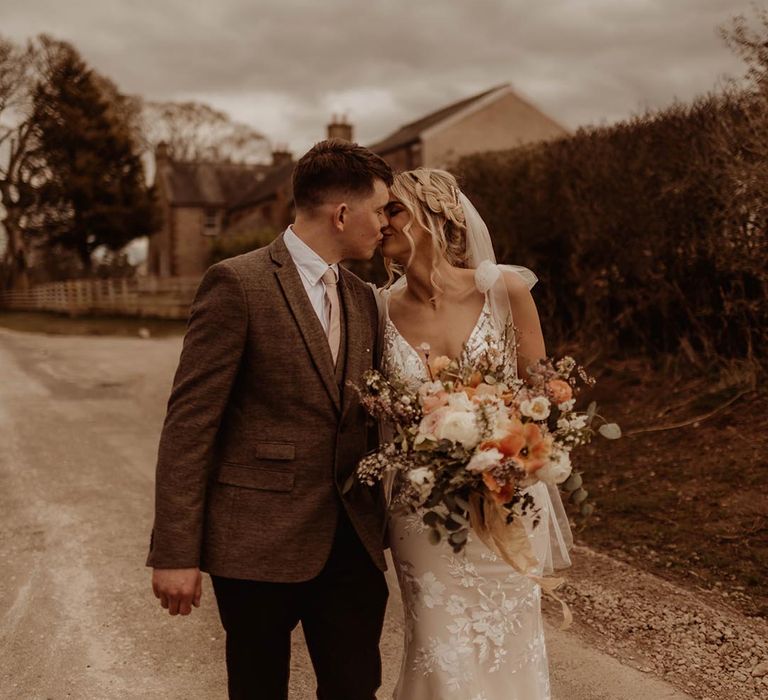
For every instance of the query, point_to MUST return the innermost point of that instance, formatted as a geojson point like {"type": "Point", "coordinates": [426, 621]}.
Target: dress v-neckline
{"type": "Point", "coordinates": [421, 355]}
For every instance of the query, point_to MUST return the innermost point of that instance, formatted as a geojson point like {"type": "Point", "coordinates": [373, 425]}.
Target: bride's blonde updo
{"type": "Point", "coordinates": [431, 197]}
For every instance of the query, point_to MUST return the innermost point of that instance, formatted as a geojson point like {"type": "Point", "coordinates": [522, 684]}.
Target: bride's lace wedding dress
{"type": "Point", "coordinates": [473, 628]}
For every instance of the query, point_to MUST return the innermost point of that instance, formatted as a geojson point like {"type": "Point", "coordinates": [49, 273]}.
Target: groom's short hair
{"type": "Point", "coordinates": [336, 167]}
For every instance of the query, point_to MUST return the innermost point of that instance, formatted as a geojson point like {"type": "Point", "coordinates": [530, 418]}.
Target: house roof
{"type": "Point", "coordinates": [212, 184]}
{"type": "Point", "coordinates": [278, 176]}
{"type": "Point", "coordinates": [409, 133]}
{"type": "Point", "coordinates": [265, 188]}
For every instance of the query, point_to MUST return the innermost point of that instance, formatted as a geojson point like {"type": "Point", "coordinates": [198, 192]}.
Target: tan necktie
{"type": "Point", "coordinates": [334, 326]}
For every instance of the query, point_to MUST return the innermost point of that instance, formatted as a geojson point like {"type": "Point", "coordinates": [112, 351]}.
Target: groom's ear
{"type": "Point", "coordinates": [340, 215]}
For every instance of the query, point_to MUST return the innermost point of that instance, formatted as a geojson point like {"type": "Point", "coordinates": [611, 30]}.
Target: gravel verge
{"type": "Point", "coordinates": [693, 641]}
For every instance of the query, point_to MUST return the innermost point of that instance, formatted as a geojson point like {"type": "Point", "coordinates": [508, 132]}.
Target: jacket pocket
{"type": "Point", "coordinates": [256, 477]}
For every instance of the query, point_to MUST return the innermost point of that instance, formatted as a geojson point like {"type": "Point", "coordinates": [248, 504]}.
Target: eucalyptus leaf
{"type": "Point", "coordinates": [434, 498]}
{"type": "Point", "coordinates": [459, 519]}
{"type": "Point", "coordinates": [573, 482]}
{"type": "Point", "coordinates": [434, 537]}
{"type": "Point", "coordinates": [587, 509]}
{"type": "Point", "coordinates": [591, 410]}
{"type": "Point", "coordinates": [451, 524]}
{"type": "Point", "coordinates": [459, 537]}
{"type": "Point", "coordinates": [461, 503]}
{"type": "Point", "coordinates": [431, 518]}
{"type": "Point", "coordinates": [579, 496]}
{"type": "Point", "coordinates": [610, 430]}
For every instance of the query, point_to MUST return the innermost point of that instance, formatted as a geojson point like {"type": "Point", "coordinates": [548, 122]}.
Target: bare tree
{"type": "Point", "coordinates": [745, 149]}
{"type": "Point", "coordinates": [749, 41]}
{"type": "Point", "coordinates": [196, 131]}
{"type": "Point", "coordinates": [37, 144]}
{"type": "Point", "coordinates": [18, 165]}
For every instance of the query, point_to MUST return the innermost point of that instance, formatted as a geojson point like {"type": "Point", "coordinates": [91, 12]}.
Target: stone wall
{"type": "Point", "coordinates": [150, 297]}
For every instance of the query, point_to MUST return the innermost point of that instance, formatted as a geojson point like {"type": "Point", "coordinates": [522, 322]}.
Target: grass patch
{"type": "Point", "coordinates": [687, 503]}
{"type": "Point", "coordinates": [60, 324]}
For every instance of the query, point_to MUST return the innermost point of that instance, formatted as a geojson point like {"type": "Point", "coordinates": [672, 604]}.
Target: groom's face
{"type": "Point", "coordinates": [364, 222]}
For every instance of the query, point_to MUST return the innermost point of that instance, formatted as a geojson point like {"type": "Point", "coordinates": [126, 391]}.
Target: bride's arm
{"type": "Point", "coordinates": [525, 317]}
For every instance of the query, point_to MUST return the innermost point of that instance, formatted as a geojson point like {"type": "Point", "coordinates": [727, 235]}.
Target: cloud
{"type": "Point", "coordinates": [287, 65]}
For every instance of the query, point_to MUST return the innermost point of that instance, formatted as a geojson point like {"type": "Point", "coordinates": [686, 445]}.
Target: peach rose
{"type": "Point", "coordinates": [485, 390]}
{"type": "Point", "coordinates": [438, 364]}
{"type": "Point", "coordinates": [475, 379]}
{"type": "Point", "coordinates": [559, 390]}
{"type": "Point", "coordinates": [435, 401]}
{"type": "Point", "coordinates": [432, 422]}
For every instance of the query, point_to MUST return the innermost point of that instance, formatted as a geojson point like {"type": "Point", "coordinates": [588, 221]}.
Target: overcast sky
{"type": "Point", "coordinates": [285, 66]}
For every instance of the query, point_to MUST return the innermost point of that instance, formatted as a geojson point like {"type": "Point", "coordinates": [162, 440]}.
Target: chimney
{"type": "Point", "coordinates": [339, 128]}
{"type": "Point", "coordinates": [281, 155]}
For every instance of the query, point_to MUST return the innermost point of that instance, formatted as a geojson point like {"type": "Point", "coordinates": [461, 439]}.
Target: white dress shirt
{"type": "Point", "coordinates": [311, 268]}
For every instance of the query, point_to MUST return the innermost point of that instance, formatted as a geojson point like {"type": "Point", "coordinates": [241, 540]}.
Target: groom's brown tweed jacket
{"type": "Point", "coordinates": [261, 433]}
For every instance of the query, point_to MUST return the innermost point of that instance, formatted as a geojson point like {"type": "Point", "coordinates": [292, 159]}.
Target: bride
{"type": "Point", "coordinates": [473, 628]}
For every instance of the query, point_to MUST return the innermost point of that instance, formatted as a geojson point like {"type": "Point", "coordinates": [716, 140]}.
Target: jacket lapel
{"type": "Point", "coordinates": [358, 348]}
{"type": "Point", "coordinates": [305, 316]}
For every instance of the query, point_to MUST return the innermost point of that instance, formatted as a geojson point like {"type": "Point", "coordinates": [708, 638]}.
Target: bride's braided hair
{"type": "Point", "coordinates": [431, 197]}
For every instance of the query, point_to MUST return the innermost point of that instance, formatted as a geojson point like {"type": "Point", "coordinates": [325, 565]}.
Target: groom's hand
{"type": "Point", "coordinates": [178, 589]}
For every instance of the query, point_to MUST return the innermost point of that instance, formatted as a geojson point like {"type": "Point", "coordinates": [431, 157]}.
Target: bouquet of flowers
{"type": "Point", "coordinates": [468, 442]}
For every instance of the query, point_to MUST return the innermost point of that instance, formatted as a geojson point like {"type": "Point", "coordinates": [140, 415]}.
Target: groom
{"type": "Point", "coordinates": [261, 433]}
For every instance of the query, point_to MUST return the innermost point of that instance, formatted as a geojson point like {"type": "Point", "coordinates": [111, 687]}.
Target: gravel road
{"type": "Point", "coordinates": [79, 422]}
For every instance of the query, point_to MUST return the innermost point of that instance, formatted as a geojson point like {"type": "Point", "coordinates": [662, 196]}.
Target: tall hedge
{"type": "Point", "coordinates": [648, 234]}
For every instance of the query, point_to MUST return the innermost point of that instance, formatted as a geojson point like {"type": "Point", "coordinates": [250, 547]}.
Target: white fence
{"type": "Point", "coordinates": [153, 297]}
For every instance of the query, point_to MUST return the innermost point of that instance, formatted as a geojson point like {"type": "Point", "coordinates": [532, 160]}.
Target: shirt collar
{"type": "Point", "coordinates": [307, 261]}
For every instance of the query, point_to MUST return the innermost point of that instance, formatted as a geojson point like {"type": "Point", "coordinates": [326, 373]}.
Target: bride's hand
{"type": "Point", "coordinates": [178, 589]}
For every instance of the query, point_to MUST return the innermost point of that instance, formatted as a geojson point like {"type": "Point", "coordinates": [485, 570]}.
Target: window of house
{"type": "Point", "coordinates": [210, 222]}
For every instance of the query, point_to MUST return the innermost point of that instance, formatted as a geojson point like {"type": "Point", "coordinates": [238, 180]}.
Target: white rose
{"type": "Point", "coordinates": [429, 388]}
{"type": "Point", "coordinates": [423, 479]}
{"type": "Point", "coordinates": [485, 459]}
{"type": "Point", "coordinates": [537, 408]}
{"type": "Point", "coordinates": [557, 469]}
{"type": "Point", "coordinates": [567, 405]}
{"type": "Point", "coordinates": [497, 419]}
{"type": "Point", "coordinates": [460, 402]}
{"type": "Point", "coordinates": [460, 426]}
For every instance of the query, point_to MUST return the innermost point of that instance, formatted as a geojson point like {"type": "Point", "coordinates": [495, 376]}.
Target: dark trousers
{"type": "Point", "coordinates": [341, 612]}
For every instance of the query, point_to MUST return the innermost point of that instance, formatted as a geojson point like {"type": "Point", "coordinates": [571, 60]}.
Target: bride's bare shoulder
{"type": "Point", "coordinates": [515, 284]}
{"type": "Point", "coordinates": [394, 298]}
{"type": "Point", "coordinates": [518, 289]}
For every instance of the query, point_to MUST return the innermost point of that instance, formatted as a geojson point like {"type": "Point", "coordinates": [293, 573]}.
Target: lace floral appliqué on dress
{"type": "Point", "coordinates": [473, 625]}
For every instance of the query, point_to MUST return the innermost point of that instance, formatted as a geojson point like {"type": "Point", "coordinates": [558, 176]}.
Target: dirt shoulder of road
{"type": "Point", "coordinates": [682, 495]}
{"type": "Point", "coordinates": [62, 324]}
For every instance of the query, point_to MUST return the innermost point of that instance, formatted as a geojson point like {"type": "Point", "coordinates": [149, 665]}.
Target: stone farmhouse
{"type": "Point", "coordinates": [201, 201]}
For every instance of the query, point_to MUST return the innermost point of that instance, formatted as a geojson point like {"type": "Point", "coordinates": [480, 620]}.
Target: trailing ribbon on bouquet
{"type": "Point", "coordinates": [510, 541]}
